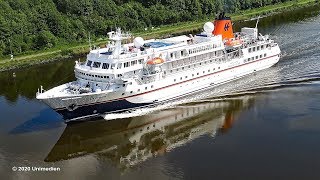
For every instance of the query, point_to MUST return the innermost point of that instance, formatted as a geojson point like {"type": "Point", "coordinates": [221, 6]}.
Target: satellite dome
{"type": "Point", "coordinates": [208, 27]}
{"type": "Point", "coordinates": [138, 42]}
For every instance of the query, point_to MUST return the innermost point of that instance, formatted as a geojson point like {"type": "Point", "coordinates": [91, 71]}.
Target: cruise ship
{"type": "Point", "coordinates": [123, 77]}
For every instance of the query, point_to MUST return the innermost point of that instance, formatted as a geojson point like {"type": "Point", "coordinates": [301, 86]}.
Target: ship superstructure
{"type": "Point", "coordinates": [124, 77]}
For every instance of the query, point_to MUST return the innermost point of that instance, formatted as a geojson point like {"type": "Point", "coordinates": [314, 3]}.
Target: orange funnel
{"type": "Point", "coordinates": [223, 26]}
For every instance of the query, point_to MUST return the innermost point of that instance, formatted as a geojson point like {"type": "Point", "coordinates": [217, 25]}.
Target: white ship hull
{"type": "Point", "coordinates": [96, 104]}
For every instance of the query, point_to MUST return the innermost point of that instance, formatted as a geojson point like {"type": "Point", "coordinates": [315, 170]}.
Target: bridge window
{"type": "Point", "coordinates": [119, 66]}
{"type": "Point", "coordinates": [89, 63]}
{"type": "Point", "coordinates": [105, 66]}
{"type": "Point", "coordinates": [140, 61]}
{"type": "Point", "coordinates": [96, 64]}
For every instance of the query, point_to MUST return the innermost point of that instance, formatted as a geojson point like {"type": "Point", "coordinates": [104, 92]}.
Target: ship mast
{"type": "Point", "coordinates": [117, 37]}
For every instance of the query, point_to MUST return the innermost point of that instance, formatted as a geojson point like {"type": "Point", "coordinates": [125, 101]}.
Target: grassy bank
{"type": "Point", "coordinates": [79, 50]}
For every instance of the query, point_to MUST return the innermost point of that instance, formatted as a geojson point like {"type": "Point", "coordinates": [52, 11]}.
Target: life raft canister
{"type": "Point", "coordinates": [156, 60]}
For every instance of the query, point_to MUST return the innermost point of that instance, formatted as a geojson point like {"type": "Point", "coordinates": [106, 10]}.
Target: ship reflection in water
{"type": "Point", "coordinates": [127, 142]}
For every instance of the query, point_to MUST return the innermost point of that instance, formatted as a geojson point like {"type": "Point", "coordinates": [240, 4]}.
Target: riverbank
{"type": "Point", "coordinates": [183, 27]}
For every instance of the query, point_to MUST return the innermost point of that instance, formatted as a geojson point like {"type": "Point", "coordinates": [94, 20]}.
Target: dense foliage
{"type": "Point", "coordinates": [41, 24]}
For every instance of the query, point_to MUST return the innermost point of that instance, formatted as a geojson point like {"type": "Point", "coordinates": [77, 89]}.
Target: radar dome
{"type": "Point", "coordinates": [138, 42]}
{"type": "Point", "coordinates": [208, 27]}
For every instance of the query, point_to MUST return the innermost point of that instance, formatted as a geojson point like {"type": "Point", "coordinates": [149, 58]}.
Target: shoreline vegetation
{"type": "Point", "coordinates": [80, 50]}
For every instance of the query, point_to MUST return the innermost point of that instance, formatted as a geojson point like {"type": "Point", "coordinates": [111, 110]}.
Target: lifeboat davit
{"type": "Point", "coordinates": [155, 61]}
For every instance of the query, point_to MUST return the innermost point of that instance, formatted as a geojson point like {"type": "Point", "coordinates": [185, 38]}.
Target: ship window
{"type": "Point", "coordinates": [108, 77]}
{"type": "Point", "coordinates": [204, 72]}
{"type": "Point", "coordinates": [171, 55]}
{"type": "Point", "coordinates": [122, 94]}
{"type": "Point", "coordinates": [257, 57]}
{"type": "Point", "coordinates": [180, 78]}
{"type": "Point", "coordinates": [126, 64]}
{"type": "Point", "coordinates": [124, 85]}
{"type": "Point", "coordinates": [96, 64]}
{"type": "Point", "coordinates": [171, 71]}
{"type": "Point", "coordinates": [252, 58]}
{"type": "Point", "coordinates": [209, 70]}
{"type": "Point", "coordinates": [258, 48]}
{"type": "Point", "coordinates": [197, 73]}
{"type": "Point", "coordinates": [186, 77]}
{"type": "Point", "coordinates": [218, 67]}
{"type": "Point", "coordinates": [182, 68]}
{"type": "Point", "coordinates": [260, 56]}
{"type": "Point", "coordinates": [192, 75]}
{"type": "Point", "coordinates": [133, 62]}
{"type": "Point", "coordinates": [131, 92]}
{"type": "Point", "coordinates": [265, 55]}
{"type": "Point", "coordinates": [119, 66]}
{"type": "Point", "coordinates": [105, 77]}
{"type": "Point", "coordinates": [146, 88]}
{"type": "Point", "coordinates": [105, 66]}
{"type": "Point", "coordinates": [138, 90]}
{"type": "Point", "coordinates": [89, 63]}
{"type": "Point", "coordinates": [95, 75]}
{"type": "Point", "coordinates": [140, 61]}
{"type": "Point", "coordinates": [151, 86]}
{"type": "Point", "coordinates": [174, 80]}
{"type": "Point", "coordinates": [113, 65]}
{"type": "Point", "coordinates": [254, 48]}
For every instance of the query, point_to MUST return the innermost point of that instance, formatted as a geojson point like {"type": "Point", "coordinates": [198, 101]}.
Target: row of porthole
{"type": "Point", "coordinates": [186, 77]}
{"type": "Point", "coordinates": [139, 90]}
{"type": "Point", "coordinates": [255, 58]}
{"type": "Point", "coordinates": [97, 76]}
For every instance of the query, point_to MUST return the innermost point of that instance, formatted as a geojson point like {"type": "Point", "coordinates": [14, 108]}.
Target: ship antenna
{"type": "Point", "coordinates": [257, 22]}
